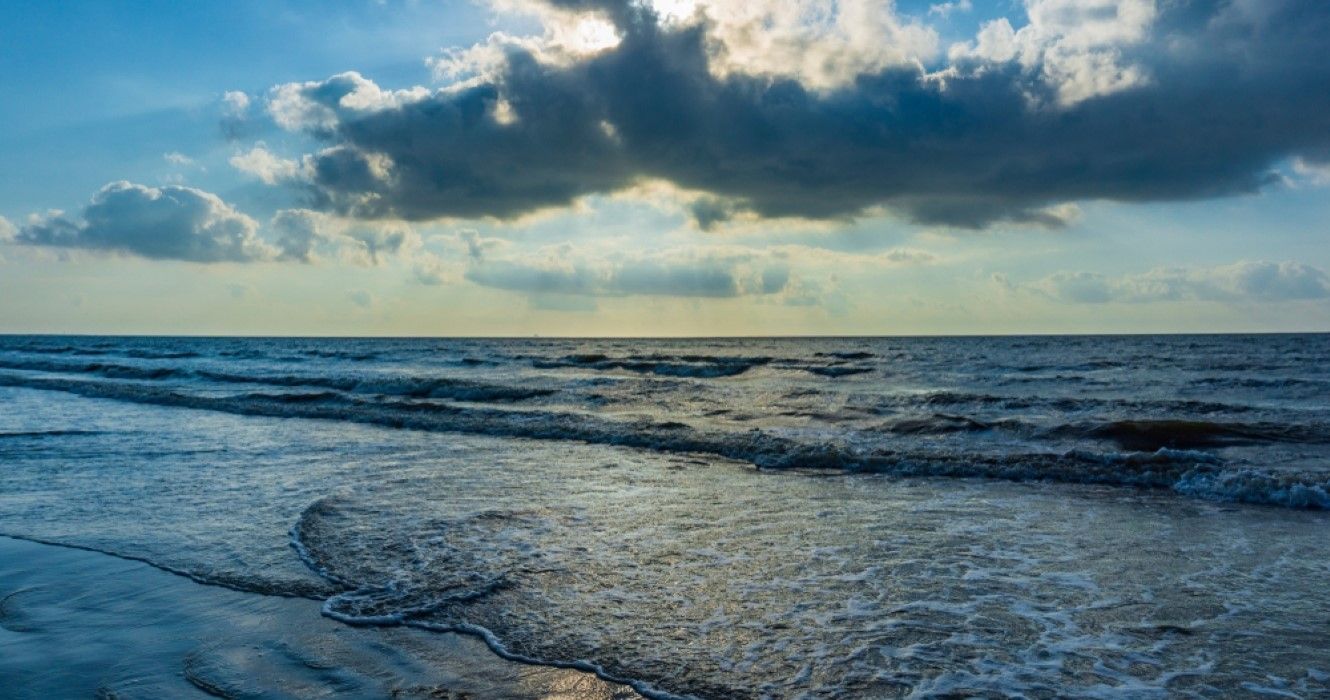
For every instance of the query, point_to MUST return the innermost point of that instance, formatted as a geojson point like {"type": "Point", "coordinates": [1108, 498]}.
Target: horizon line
{"type": "Point", "coordinates": [810, 336]}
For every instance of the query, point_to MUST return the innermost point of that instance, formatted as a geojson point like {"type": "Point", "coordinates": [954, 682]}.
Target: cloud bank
{"type": "Point", "coordinates": [166, 223]}
{"type": "Point", "coordinates": [1088, 99]}
{"type": "Point", "coordinates": [708, 271]}
{"type": "Point", "coordinates": [561, 270]}
{"type": "Point", "coordinates": [1240, 282]}
{"type": "Point", "coordinates": [188, 224]}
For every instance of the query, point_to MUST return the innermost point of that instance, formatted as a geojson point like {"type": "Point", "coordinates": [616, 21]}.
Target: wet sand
{"type": "Point", "coordinates": [83, 624]}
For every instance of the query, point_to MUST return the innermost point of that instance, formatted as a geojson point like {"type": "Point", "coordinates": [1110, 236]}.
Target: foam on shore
{"type": "Point", "coordinates": [76, 623]}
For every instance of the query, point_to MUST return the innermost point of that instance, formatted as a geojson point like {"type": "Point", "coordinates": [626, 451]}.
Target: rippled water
{"type": "Point", "coordinates": [595, 503]}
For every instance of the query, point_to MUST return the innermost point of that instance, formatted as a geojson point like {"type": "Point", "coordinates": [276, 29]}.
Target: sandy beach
{"type": "Point", "coordinates": [76, 623]}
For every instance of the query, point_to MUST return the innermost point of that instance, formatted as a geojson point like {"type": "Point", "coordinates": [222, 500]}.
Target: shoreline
{"type": "Point", "coordinates": [77, 622]}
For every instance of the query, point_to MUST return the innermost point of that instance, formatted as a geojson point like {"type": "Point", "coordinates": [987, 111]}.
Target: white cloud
{"type": "Point", "coordinates": [810, 256]}
{"type": "Point", "coordinates": [309, 236]}
{"type": "Point", "coordinates": [1316, 173]}
{"type": "Point", "coordinates": [477, 246]}
{"type": "Point", "coordinates": [263, 164]}
{"type": "Point", "coordinates": [1074, 45]}
{"type": "Point", "coordinates": [716, 271]}
{"type": "Point", "coordinates": [823, 45]}
{"type": "Point", "coordinates": [321, 105]}
{"type": "Point", "coordinates": [7, 230]}
{"type": "Point", "coordinates": [433, 270]}
{"type": "Point", "coordinates": [563, 269]}
{"type": "Point", "coordinates": [1240, 282]}
{"type": "Point", "coordinates": [169, 223]}
{"type": "Point", "coordinates": [946, 9]}
{"type": "Point", "coordinates": [235, 103]}
{"type": "Point", "coordinates": [177, 158]}
{"type": "Point", "coordinates": [235, 113]}
{"type": "Point", "coordinates": [369, 242]}
{"type": "Point", "coordinates": [566, 35]}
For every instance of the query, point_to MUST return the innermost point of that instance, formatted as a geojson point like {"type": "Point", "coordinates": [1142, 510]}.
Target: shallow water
{"type": "Point", "coordinates": [595, 503]}
{"type": "Point", "coordinates": [77, 624]}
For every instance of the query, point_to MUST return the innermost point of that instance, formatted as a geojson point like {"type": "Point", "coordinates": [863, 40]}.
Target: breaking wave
{"type": "Point", "coordinates": [104, 369]}
{"type": "Point", "coordinates": [1187, 471]}
{"type": "Point", "coordinates": [407, 386]}
{"type": "Point", "coordinates": [1174, 433]}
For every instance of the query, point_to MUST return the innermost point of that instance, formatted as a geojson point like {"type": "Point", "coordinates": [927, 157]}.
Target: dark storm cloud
{"type": "Point", "coordinates": [167, 223]}
{"type": "Point", "coordinates": [1230, 93]}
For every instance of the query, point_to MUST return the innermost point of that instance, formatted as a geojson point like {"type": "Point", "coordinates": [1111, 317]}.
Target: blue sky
{"type": "Point", "coordinates": [672, 167]}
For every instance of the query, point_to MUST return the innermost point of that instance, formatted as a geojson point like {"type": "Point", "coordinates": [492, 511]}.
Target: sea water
{"type": "Point", "coordinates": [891, 517]}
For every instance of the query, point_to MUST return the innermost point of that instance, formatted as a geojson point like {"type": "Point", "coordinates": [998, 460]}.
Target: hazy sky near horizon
{"type": "Point", "coordinates": [664, 167]}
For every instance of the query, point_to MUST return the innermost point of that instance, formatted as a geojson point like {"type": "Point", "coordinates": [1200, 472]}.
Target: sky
{"type": "Point", "coordinates": [664, 167]}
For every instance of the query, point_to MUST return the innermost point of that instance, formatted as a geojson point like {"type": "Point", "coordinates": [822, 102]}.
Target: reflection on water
{"type": "Point", "coordinates": [687, 572]}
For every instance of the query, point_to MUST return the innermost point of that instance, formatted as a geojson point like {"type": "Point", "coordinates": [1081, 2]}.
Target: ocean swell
{"type": "Point", "coordinates": [1155, 434]}
{"type": "Point", "coordinates": [1187, 471]}
{"type": "Point", "coordinates": [393, 385]}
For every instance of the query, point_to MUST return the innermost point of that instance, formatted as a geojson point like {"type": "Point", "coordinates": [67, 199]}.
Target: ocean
{"type": "Point", "coordinates": [1084, 516]}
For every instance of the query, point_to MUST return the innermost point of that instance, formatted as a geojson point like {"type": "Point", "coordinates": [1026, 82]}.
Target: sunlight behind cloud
{"type": "Point", "coordinates": [891, 157]}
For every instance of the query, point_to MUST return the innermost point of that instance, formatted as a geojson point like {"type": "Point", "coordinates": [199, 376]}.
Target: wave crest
{"type": "Point", "coordinates": [1167, 467]}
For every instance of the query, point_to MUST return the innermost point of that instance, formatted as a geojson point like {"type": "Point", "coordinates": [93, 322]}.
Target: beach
{"type": "Point", "coordinates": [814, 518]}
{"type": "Point", "coordinates": [75, 623]}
